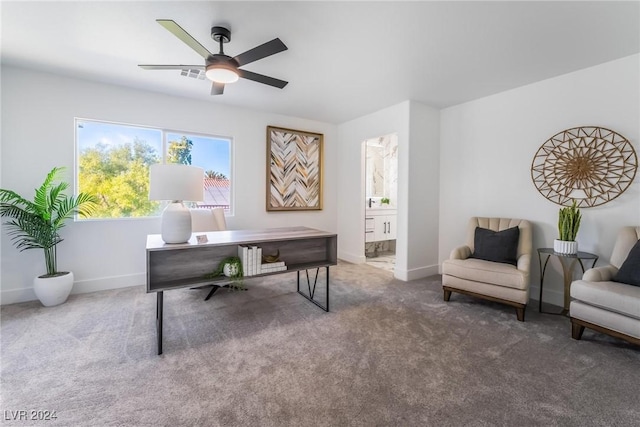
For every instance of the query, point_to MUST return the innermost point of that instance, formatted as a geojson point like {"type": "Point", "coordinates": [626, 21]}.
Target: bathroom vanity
{"type": "Point", "coordinates": [380, 224]}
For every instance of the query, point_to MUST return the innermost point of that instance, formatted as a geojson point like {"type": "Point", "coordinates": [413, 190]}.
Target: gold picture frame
{"type": "Point", "coordinates": [294, 170]}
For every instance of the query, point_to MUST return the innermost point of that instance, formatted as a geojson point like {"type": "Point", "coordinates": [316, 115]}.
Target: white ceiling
{"type": "Point", "coordinates": [345, 59]}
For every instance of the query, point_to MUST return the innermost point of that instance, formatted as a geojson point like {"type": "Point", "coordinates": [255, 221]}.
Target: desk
{"type": "Point", "coordinates": [568, 262]}
{"type": "Point", "coordinates": [183, 265]}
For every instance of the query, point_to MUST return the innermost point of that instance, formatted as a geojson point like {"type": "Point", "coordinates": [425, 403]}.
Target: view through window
{"type": "Point", "coordinates": [113, 163]}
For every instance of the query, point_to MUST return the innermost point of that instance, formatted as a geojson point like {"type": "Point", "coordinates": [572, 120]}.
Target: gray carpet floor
{"type": "Point", "coordinates": [389, 353]}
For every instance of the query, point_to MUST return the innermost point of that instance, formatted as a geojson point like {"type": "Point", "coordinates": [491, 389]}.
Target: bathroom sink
{"type": "Point", "coordinates": [381, 208]}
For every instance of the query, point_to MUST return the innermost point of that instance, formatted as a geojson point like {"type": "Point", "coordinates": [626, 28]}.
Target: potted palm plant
{"type": "Point", "coordinates": [568, 225]}
{"type": "Point", "coordinates": [36, 225]}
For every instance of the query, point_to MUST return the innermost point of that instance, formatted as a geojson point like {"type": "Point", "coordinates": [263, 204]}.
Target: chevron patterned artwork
{"type": "Point", "coordinates": [294, 170]}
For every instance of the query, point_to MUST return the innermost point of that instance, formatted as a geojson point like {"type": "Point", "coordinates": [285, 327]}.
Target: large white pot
{"type": "Point", "coordinates": [565, 247]}
{"type": "Point", "coordinates": [53, 290]}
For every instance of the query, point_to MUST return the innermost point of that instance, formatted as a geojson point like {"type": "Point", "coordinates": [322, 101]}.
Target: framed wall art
{"type": "Point", "coordinates": [294, 170]}
{"type": "Point", "coordinates": [590, 165]}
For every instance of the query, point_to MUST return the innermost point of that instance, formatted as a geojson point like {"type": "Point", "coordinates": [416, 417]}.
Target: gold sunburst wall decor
{"type": "Point", "coordinates": [591, 165]}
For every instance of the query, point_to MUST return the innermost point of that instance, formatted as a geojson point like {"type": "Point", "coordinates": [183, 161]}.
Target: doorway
{"type": "Point", "coordinates": [380, 204]}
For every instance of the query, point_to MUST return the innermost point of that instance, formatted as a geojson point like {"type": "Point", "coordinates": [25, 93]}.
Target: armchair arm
{"type": "Point", "coordinates": [524, 262]}
{"type": "Point", "coordinates": [600, 274]}
{"type": "Point", "coordinates": [462, 252]}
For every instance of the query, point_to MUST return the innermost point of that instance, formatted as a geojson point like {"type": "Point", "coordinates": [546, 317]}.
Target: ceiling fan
{"type": "Point", "coordinates": [220, 68]}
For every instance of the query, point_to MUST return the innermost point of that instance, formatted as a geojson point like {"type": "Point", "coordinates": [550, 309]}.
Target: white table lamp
{"type": "Point", "coordinates": [176, 182]}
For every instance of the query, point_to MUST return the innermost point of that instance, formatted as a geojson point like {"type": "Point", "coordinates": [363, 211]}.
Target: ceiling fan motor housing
{"type": "Point", "coordinates": [221, 60]}
{"type": "Point", "coordinates": [221, 34]}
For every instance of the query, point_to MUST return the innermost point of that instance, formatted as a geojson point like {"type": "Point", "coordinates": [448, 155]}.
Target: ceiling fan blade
{"type": "Point", "coordinates": [180, 33]}
{"type": "Point", "coordinates": [260, 78]}
{"type": "Point", "coordinates": [217, 88]}
{"type": "Point", "coordinates": [259, 52]}
{"type": "Point", "coordinates": [172, 67]}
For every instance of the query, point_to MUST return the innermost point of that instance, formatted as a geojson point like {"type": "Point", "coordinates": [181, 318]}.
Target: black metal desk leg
{"type": "Point", "coordinates": [327, 287]}
{"type": "Point", "coordinates": [312, 289]}
{"type": "Point", "coordinates": [159, 306]}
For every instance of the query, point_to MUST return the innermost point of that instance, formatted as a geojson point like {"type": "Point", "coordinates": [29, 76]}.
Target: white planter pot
{"type": "Point", "coordinates": [564, 247]}
{"type": "Point", "coordinates": [53, 290]}
{"type": "Point", "coordinates": [230, 270]}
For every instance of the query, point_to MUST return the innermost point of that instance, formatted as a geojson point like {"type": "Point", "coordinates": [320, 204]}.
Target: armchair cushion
{"type": "Point", "coordinates": [478, 270]}
{"type": "Point", "coordinates": [629, 271]}
{"type": "Point", "coordinates": [612, 296]}
{"type": "Point", "coordinates": [496, 246]}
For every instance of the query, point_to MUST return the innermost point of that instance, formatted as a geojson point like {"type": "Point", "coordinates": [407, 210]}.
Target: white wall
{"type": "Point", "coordinates": [417, 128]}
{"type": "Point", "coordinates": [487, 147]}
{"type": "Point", "coordinates": [38, 133]}
{"type": "Point", "coordinates": [423, 191]}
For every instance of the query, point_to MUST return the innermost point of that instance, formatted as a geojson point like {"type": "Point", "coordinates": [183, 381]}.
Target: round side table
{"type": "Point", "coordinates": [568, 262]}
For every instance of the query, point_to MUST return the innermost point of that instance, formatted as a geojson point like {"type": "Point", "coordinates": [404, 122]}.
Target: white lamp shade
{"type": "Point", "coordinates": [176, 182]}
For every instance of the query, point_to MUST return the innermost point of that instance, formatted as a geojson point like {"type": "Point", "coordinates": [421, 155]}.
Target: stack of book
{"type": "Point", "coordinates": [251, 257]}
{"type": "Point", "coordinates": [270, 267]}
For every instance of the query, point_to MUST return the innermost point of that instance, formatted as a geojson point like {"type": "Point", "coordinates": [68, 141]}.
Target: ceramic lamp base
{"type": "Point", "coordinates": [176, 223]}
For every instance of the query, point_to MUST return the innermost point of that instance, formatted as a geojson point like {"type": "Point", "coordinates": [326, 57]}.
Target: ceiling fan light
{"type": "Point", "coordinates": [221, 75]}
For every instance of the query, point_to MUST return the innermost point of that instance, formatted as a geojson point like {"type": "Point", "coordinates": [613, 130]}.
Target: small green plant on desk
{"type": "Point", "coordinates": [230, 267]}
{"type": "Point", "coordinates": [385, 201]}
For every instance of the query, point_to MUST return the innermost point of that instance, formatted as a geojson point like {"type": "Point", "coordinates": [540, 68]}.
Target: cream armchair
{"type": "Point", "coordinates": [495, 281]}
{"type": "Point", "coordinates": [205, 219]}
{"type": "Point", "coordinates": [600, 304]}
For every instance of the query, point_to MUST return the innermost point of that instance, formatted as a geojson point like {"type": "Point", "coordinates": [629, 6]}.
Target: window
{"type": "Point", "coordinates": [213, 154]}
{"type": "Point", "coordinates": [113, 163]}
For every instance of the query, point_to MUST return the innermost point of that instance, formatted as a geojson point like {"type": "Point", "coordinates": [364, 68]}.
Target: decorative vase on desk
{"type": "Point", "coordinates": [568, 225]}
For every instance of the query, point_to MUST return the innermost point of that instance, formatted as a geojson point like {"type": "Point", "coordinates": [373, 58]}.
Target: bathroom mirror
{"type": "Point", "coordinates": [381, 167]}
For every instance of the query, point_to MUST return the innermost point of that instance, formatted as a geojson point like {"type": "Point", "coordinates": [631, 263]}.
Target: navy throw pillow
{"type": "Point", "coordinates": [629, 272]}
{"type": "Point", "coordinates": [496, 246]}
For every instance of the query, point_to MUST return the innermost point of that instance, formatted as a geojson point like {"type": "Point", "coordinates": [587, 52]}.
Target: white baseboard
{"type": "Point", "coordinates": [415, 273]}
{"type": "Point", "coordinates": [353, 259]}
{"type": "Point", "coordinates": [12, 296]}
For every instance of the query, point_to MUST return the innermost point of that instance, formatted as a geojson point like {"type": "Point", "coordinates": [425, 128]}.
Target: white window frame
{"type": "Point", "coordinates": [164, 145]}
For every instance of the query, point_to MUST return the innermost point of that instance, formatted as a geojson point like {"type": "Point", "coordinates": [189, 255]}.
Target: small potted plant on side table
{"type": "Point", "coordinates": [568, 225]}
